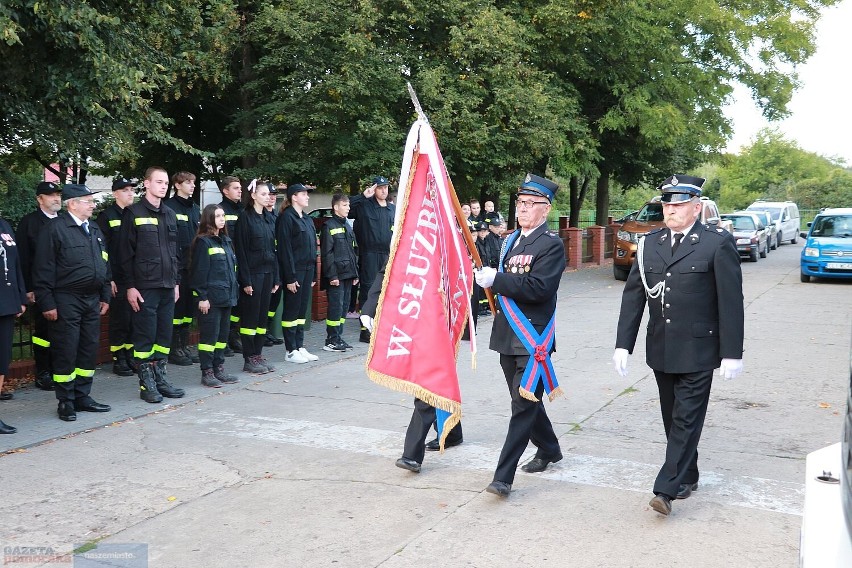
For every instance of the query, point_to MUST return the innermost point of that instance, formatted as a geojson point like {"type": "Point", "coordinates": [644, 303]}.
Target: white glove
{"type": "Point", "coordinates": [485, 276]}
{"type": "Point", "coordinates": [731, 368]}
{"type": "Point", "coordinates": [367, 322]}
{"type": "Point", "coordinates": [619, 359]}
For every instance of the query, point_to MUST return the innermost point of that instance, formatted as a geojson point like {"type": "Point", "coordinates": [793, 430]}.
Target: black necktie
{"type": "Point", "coordinates": [677, 238]}
{"type": "Point", "coordinates": [85, 226]}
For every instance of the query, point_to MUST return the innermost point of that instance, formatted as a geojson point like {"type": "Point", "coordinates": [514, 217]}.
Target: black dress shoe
{"type": "Point", "coordinates": [684, 490]}
{"type": "Point", "coordinates": [408, 464]}
{"type": "Point", "coordinates": [364, 336]}
{"type": "Point", "coordinates": [44, 381]}
{"type": "Point", "coordinates": [66, 411]}
{"type": "Point", "coordinates": [661, 504]}
{"type": "Point", "coordinates": [540, 464]}
{"type": "Point", "coordinates": [435, 444]}
{"type": "Point", "coordinates": [6, 429]}
{"type": "Point", "coordinates": [91, 406]}
{"type": "Point", "coordinates": [500, 488]}
{"type": "Point", "coordinates": [6, 396]}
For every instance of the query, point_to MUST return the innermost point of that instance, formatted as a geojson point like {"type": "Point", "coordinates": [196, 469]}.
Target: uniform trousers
{"type": "Point", "coordinates": [338, 302]}
{"type": "Point", "coordinates": [74, 338]}
{"type": "Point", "coordinates": [213, 330]}
{"type": "Point", "coordinates": [151, 326]}
{"type": "Point", "coordinates": [119, 322]}
{"type": "Point", "coordinates": [7, 330]}
{"type": "Point", "coordinates": [185, 304]}
{"type": "Point", "coordinates": [529, 422]}
{"type": "Point", "coordinates": [274, 302]}
{"type": "Point", "coordinates": [41, 341]}
{"type": "Point", "coordinates": [422, 420]}
{"type": "Point", "coordinates": [683, 402]}
{"type": "Point", "coordinates": [369, 265]}
{"type": "Point", "coordinates": [296, 309]}
{"type": "Point", "coordinates": [254, 313]}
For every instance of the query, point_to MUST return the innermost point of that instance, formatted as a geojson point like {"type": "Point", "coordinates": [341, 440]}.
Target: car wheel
{"type": "Point", "coordinates": [804, 277]}
{"type": "Point", "coordinates": [753, 255]}
{"type": "Point", "coordinates": [765, 250]}
{"type": "Point", "coordinates": [794, 239]}
{"type": "Point", "coordinates": [619, 273]}
{"type": "Point", "coordinates": [777, 242]}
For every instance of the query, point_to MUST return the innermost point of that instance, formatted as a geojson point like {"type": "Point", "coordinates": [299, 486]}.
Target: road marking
{"type": "Point", "coordinates": [750, 492]}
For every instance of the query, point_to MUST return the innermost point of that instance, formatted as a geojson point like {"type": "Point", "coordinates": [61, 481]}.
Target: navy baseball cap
{"type": "Point", "coordinates": [537, 185]}
{"type": "Point", "coordinates": [73, 190]}
{"type": "Point", "coordinates": [47, 188]}
{"type": "Point", "coordinates": [679, 188]}
{"type": "Point", "coordinates": [121, 183]}
{"type": "Point", "coordinates": [294, 188]}
{"type": "Point", "coordinates": [380, 180]}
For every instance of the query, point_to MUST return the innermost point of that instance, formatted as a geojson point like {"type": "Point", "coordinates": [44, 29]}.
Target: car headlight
{"type": "Point", "coordinates": [743, 241]}
{"type": "Point", "coordinates": [627, 236]}
{"type": "Point", "coordinates": [812, 251]}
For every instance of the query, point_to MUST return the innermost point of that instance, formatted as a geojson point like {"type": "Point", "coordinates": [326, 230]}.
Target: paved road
{"type": "Point", "coordinates": [296, 468]}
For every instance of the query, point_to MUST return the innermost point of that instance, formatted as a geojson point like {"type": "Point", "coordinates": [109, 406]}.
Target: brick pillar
{"type": "Point", "coordinates": [597, 235]}
{"type": "Point", "coordinates": [319, 300]}
{"type": "Point", "coordinates": [573, 237]}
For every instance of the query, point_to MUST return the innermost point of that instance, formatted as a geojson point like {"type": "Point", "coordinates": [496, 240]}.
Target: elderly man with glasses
{"type": "Point", "coordinates": [72, 280]}
{"type": "Point", "coordinates": [530, 267]}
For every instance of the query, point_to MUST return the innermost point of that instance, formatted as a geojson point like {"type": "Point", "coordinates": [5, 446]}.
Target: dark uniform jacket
{"type": "Point", "coordinates": [701, 320]}
{"type": "Point", "coordinates": [26, 237]}
{"type": "Point", "coordinates": [254, 243]}
{"type": "Point", "coordinates": [373, 223]}
{"type": "Point", "coordinates": [492, 250]}
{"type": "Point", "coordinates": [13, 292]}
{"type": "Point", "coordinates": [232, 211]}
{"type": "Point", "coordinates": [147, 248]}
{"type": "Point", "coordinates": [109, 221]}
{"type": "Point", "coordinates": [297, 244]}
{"type": "Point", "coordinates": [188, 217]}
{"type": "Point", "coordinates": [68, 260]}
{"type": "Point", "coordinates": [337, 249]}
{"type": "Point", "coordinates": [533, 270]}
{"type": "Point", "coordinates": [491, 217]}
{"type": "Point", "coordinates": [213, 271]}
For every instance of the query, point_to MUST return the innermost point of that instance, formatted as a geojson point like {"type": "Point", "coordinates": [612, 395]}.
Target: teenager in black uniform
{"type": "Point", "coordinates": [297, 255]}
{"type": "Point", "coordinates": [275, 299]}
{"type": "Point", "coordinates": [232, 192]}
{"type": "Point", "coordinates": [148, 257]}
{"type": "Point", "coordinates": [71, 276]}
{"type": "Point", "coordinates": [339, 270]}
{"type": "Point", "coordinates": [109, 220]}
{"type": "Point", "coordinates": [13, 303]}
{"type": "Point", "coordinates": [213, 279]}
{"type": "Point", "coordinates": [48, 196]}
{"type": "Point", "coordinates": [532, 269]}
{"type": "Point", "coordinates": [188, 216]}
{"type": "Point", "coordinates": [257, 274]}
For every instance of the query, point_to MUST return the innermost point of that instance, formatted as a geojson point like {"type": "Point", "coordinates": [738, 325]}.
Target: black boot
{"type": "Point", "coordinates": [234, 341]}
{"type": "Point", "coordinates": [176, 355]}
{"type": "Point", "coordinates": [163, 386]}
{"type": "Point", "coordinates": [6, 429]}
{"type": "Point", "coordinates": [222, 376]}
{"type": "Point", "coordinates": [184, 340]}
{"type": "Point", "coordinates": [365, 336]}
{"type": "Point", "coordinates": [44, 380]}
{"type": "Point", "coordinates": [148, 383]}
{"type": "Point", "coordinates": [120, 366]}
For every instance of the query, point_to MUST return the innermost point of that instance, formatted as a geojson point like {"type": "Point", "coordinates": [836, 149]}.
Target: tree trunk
{"type": "Point", "coordinates": [602, 199]}
{"type": "Point", "coordinates": [573, 201]}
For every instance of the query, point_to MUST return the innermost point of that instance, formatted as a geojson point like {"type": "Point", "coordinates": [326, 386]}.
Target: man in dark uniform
{"type": "Point", "coordinates": [48, 196]}
{"type": "Point", "coordinates": [374, 217]}
{"type": "Point", "coordinates": [339, 271]}
{"type": "Point", "coordinates": [689, 275]}
{"type": "Point", "coordinates": [71, 276]}
{"type": "Point", "coordinates": [232, 193]}
{"type": "Point", "coordinates": [188, 217]}
{"type": "Point", "coordinates": [109, 222]}
{"type": "Point", "coordinates": [531, 263]}
{"type": "Point", "coordinates": [148, 254]}
{"type": "Point", "coordinates": [275, 299]}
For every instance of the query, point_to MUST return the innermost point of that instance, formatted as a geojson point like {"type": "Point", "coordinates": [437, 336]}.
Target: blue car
{"type": "Point", "coordinates": [828, 250]}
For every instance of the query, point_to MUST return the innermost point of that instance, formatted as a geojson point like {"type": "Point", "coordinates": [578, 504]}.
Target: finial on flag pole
{"type": "Point", "coordinates": [420, 114]}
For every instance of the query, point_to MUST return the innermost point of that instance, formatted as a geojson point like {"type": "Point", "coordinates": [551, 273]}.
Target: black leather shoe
{"type": "Point", "coordinates": [7, 396]}
{"type": "Point", "coordinates": [364, 337]}
{"type": "Point", "coordinates": [684, 490]}
{"type": "Point", "coordinates": [500, 488]}
{"type": "Point", "coordinates": [537, 464]}
{"type": "Point", "coordinates": [408, 464]}
{"type": "Point", "coordinates": [66, 411]}
{"type": "Point", "coordinates": [91, 406]}
{"type": "Point", "coordinates": [44, 381]}
{"type": "Point", "coordinates": [661, 504]}
{"type": "Point", "coordinates": [435, 444]}
{"type": "Point", "coordinates": [6, 429]}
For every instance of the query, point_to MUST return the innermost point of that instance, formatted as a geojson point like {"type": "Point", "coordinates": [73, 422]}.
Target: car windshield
{"type": "Point", "coordinates": [832, 226]}
{"type": "Point", "coordinates": [775, 212]}
{"type": "Point", "coordinates": [650, 212]}
{"type": "Point", "coordinates": [742, 223]}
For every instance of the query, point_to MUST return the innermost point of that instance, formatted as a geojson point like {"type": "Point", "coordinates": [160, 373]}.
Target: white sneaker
{"type": "Point", "coordinates": [295, 356]}
{"type": "Point", "coordinates": [308, 356]}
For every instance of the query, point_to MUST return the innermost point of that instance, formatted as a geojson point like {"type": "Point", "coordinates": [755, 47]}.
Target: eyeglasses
{"type": "Point", "coordinates": [527, 204]}
{"type": "Point", "coordinates": [86, 201]}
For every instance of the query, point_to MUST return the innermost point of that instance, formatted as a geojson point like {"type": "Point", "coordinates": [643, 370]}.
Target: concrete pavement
{"type": "Point", "coordinates": [295, 468]}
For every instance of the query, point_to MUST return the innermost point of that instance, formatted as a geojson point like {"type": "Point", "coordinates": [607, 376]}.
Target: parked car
{"type": "Point", "coordinates": [320, 216]}
{"type": "Point", "coordinates": [771, 228]}
{"type": "Point", "coordinates": [750, 233]}
{"type": "Point", "coordinates": [785, 214]}
{"type": "Point", "coordinates": [629, 217]}
{"type": "Point", "coordinates": [648, 218]}
{"type": "Point", "coordinates": [828, 250]}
